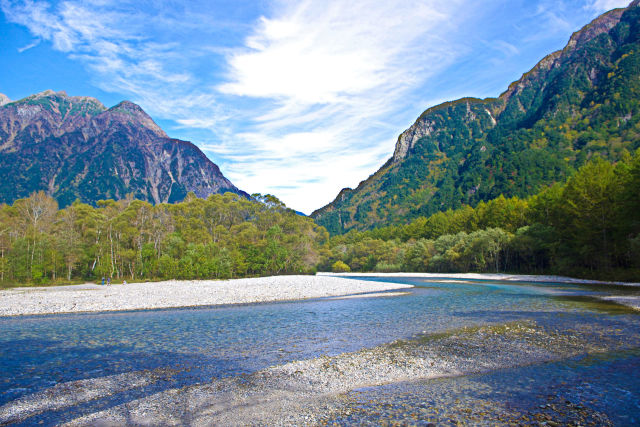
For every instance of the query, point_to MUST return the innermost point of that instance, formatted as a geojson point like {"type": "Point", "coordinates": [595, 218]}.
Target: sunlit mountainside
{"type": "Point", "coordinates": [575, 103]}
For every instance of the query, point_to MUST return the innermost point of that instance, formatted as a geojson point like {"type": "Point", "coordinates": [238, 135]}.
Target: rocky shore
{"type": "Point", "coordinates": [329, 389]}
{"type": "Point", "coordinates": [180, 293]}
{"type": "Point", "coordinates": [309, 392]}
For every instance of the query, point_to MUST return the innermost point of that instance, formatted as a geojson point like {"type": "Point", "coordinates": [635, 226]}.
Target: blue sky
{"type": "Point", "coordinates": [293, 98]}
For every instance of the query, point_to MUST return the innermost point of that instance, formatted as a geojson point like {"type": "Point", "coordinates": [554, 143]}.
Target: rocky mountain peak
{"type": "Point", "coordinates": [128, 107]}
{"type": "Point", "coordinates": [4, 99]}
{"type": "Point", "coordinates": [47, 92]}
{"type": "Point", "coordinates": [75, 148]}
{"type": "Point", "coordinates": [44, 114]}
{"type": "Point", "coordinates": [133, 113]}
{"type": "Point", "coordinates": [602, 24]}
{"type": "Point", "coordinates": [62, 102]}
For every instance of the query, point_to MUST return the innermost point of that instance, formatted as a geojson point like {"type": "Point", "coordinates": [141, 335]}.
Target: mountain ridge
{"type": "Point", "coordinates": [76, 148]}
{"type": "Point", "coordinates": [470, 150]}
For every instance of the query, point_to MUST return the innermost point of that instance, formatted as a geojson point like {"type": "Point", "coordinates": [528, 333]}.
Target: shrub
{"type": "Point", "coordinates": [340, 267]}
{"type": "Point", "coordinates": [383, 267]}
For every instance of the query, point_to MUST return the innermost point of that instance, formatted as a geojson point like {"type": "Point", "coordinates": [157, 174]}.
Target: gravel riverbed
{"type": "Point", "coordinates": [180, 293]}
{"type": "Point", "coordinates": [306, 392]}
{"type": "Point", "coordinates": [329, 389]}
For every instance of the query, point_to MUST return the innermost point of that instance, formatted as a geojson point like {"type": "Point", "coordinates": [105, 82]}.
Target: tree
{"type": "Point", "coordinates": [275, 252]}
{"type": "Point", "coordinates": [38, 212]}
{"type": "Point", "coordinates": [340, 267]}
{"type": "Point", "coordinates": [590, 213]}
{"type": "Point", "coordinates": [7, 219]}
{"type": "Point", "coordinates": [418, 254]}
{"type": "Point", "coordinates": [496, 241]}
{"type": "Point", "coordinates": [69, 238]}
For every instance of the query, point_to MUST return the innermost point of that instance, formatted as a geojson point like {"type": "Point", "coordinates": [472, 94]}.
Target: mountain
{"type": "Point", "coordinates": [575, 103]}
{"type": "Point", "coordinates": [75, 148]}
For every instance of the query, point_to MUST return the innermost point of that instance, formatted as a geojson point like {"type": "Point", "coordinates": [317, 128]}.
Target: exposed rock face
{"type": "Point", "coordinates": [576, 102]}
{"type": "Point", "coordinates": [424, 126]}
{"type": "Point", "coordinates": [75, 148]}
{"type": "Point", "coordinates": [4, 99]}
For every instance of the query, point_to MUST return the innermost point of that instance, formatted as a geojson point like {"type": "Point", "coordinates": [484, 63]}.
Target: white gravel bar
{"type": "Point", "coordinates": [180, 293]}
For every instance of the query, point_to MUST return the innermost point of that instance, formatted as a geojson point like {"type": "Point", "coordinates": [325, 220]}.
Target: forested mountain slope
{"type": "Point", "coordinates": [75, 148]}
{"type": "Point", "coordinates": [576, 102]}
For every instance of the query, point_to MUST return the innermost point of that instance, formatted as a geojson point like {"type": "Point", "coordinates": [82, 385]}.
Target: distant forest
{"type": "Point", "coordinates": [224, 236]}
{"type": "Point", "coordinates": [587, 227]}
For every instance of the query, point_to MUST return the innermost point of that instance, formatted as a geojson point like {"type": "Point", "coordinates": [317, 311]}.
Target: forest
{"type": "Point", "coordinates": [224, 236]}
{"type": "Point", "coordinates": [586, 227]}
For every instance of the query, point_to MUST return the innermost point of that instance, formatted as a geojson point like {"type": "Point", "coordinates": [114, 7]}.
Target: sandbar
{"type": "Point", "coordinates": [180, 293]}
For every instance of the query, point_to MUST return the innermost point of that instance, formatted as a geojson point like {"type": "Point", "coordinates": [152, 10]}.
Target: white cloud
{"type": "Point", "coordinates": [29, 46]}
{"type": "Point", "coordinates": [318, 176]}
{"type": "Point", "coordinates": [330, 73]}
{"type": "Point", "coordinates": [305, 106]}
{"type": "Point", "coordinates": [319, 52]}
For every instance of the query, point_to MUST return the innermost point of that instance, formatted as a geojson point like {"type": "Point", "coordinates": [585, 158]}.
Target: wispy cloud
{"type": "Point", "coordinates": [506, 48]}
{"type": "Point", "coordinates": [552, 17]}
{"type": "Point", "coordinates": [296, 98]}
{"type": "Point", "coordinates": [298, 106]}
{"type": "Point", "coordinates": [118, 43]}
{"type": "Point", "coordinates": [29, 46]}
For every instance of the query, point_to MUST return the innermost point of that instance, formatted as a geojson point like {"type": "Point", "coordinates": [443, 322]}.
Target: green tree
{"type": "Point", "coordinates": [590, 213]}
{"type": "Point", "coordinates": [340, 267]}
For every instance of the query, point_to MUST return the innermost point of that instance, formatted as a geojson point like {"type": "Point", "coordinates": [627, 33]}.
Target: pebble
{"type": "Point", "coordinates": [181, 293]}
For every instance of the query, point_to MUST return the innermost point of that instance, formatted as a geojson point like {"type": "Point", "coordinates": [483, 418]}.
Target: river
{"type": "Point", "coordinates": [197, 345]}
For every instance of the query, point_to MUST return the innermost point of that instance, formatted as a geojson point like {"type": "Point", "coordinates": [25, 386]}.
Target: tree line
{"type": "Point", "coordinates": [224, 236]}
{"type": "Point", "coordinates": [587, 227]}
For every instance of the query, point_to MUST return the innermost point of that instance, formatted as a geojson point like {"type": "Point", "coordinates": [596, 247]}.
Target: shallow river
{"type": "Point", "coordinates": [201, 344]}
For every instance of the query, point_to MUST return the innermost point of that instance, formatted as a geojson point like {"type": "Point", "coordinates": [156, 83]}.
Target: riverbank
{"type": "Point", "coordinates": [310, 363]}
{"type": "Point", "coordinates": [486, 276]}
{"type": "Point", "coordinates": [180, 293]}
{"type": "Point", "coordinates": [308, 392]}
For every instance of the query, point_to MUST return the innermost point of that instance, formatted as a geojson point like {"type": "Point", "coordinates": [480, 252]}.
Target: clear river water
{"type": "Point", "coordinates": [205, 343]}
